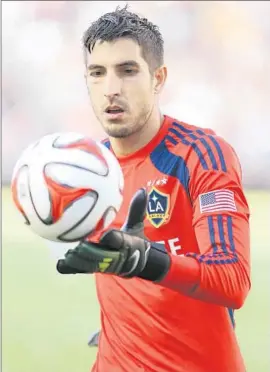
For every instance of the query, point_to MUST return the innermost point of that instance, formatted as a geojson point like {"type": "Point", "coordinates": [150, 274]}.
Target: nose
{"type": "Point", "coordinates": [113, 86]}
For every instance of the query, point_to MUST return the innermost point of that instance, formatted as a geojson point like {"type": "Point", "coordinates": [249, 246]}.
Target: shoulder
{"type": "Point", "coordinates": [184, 129]}
{"type": "Point", "coordinates": [201, 147]}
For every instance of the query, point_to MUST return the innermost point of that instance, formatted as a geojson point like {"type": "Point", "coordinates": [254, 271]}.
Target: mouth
{"type": "Point", "coordinates": [114, 112]}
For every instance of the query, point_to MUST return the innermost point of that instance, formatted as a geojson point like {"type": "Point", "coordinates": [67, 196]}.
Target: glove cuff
{"type": "Point", "coordinates": [158, 264]}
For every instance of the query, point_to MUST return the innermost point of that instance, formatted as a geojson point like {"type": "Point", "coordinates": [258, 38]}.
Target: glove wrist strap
{"type": "Point", "coordinates": [158, 264]}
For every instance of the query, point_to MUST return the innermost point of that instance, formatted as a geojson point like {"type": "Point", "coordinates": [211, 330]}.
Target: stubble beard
{"type": "Point", "coordinates": [123, 129]}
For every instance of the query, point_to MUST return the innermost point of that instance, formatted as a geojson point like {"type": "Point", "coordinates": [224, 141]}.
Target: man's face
{"type": "Point", "coordinates": [121, 87]}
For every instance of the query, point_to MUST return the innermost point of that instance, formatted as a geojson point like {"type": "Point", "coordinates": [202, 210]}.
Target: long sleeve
{"type": "Point", "coordinates": [220, 272]}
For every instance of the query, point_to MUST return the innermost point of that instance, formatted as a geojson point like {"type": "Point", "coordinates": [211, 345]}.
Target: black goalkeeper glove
{"type": "Point", "coordinates": [124, 252]}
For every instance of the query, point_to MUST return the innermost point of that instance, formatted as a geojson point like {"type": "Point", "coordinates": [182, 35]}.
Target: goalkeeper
{"type": "Point", "coordinates": [175, 263]}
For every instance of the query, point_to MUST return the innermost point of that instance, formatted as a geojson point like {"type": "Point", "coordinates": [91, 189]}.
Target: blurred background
{"type": "Point", "coordinates": [218, 56]}
{"type": "Point", "coordinates": [217, 52]}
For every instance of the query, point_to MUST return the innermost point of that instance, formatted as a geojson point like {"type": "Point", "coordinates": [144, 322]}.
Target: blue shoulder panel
{"type": "Point", "coordinates": [170, 164]}
{"type": "Point", "coordinates": [107, 144]}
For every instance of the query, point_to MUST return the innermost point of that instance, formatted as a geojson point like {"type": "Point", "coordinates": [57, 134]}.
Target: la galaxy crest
{"type": "Point", "coordinates": [158, 207]}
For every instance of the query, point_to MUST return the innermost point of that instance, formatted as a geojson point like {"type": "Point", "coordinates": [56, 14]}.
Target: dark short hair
{"type": "Point", "coordinates": [123, 23]}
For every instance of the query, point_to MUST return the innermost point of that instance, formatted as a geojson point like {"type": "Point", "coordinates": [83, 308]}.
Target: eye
{"type": "Point", "coordinates": [130, 71]}
{"type": "Point", "coordinates": [96, 73]}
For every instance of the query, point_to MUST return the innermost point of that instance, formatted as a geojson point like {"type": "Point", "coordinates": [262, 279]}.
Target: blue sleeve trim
{"type": "Point", "coordinates": [212, 234]}
{"type": "Point", "coordinates": [231, 315]}
{"type": "Point", "coordinates": [193, 145]}
{"type": "Point", "coordinates": [220, 153]}
{"type": "Point", "coordinates": [203, 139]}
{"type": "Point", "coordinates": [221, 234]}
{"type": "Point", "coordinates": [230, 234]}
{"type": "Point", "coordinates": [208, 149]}
{"type": "Point", "coordinates": [214, 258]}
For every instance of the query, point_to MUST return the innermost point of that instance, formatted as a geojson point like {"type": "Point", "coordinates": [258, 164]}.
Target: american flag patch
{"type": "Point", "coordinates": [219, 200]}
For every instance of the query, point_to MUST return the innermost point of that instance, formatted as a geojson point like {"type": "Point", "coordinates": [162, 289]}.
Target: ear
{"type": "Point", "coordinates": [160, 77]}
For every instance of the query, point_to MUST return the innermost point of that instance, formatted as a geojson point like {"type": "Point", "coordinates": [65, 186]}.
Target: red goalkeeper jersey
{"type": "Point", "coordinates": [197, 208]}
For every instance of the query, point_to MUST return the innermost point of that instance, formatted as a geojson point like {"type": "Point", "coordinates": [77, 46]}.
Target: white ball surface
{"type": "Point", "coordinates": [67, 187]}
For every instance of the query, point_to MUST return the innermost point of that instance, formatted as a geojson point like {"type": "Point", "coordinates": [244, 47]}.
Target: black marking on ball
{"type": "Point", "coordinates": [78, 167]}
{"type": "Point", "coordinates": [65, 147]}
{"type": "Point", "coordinates": [61, 237]}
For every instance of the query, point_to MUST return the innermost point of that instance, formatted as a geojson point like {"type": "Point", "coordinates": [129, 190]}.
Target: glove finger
{"type": "Point", "coordinates": [108, 248]}
{"type": "Point", "coordinates": [90, 258]}
{"type": "Point", "coordinates": [70, 251]}
{"type": "Point", "coordinates": [112, 239]}
{"type": "Point", "coordinates": [63, 268]}
{"type": "Point", "coordinates": [137, 210]}
{"type": "Point", "coordinates": [81, 264]}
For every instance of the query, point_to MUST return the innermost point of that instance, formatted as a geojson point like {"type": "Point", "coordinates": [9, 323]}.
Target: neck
{"type": "Point", "coordinates": [133, 143]}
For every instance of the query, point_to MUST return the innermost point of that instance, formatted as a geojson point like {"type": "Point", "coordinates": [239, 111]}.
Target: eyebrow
{"type": "Point", "coordinates": [130, 63]}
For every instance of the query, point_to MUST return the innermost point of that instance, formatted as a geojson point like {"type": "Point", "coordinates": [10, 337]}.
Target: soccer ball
{"type": "Point", "coordinates": [67, 187]}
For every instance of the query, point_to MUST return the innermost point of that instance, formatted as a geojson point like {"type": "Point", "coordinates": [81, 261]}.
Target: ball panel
{"type": "Point", "coordinates": [104, 222]}
{"type": "Point", "coordinates": [23, 160]}
{"type": "Point", "coordinates": [73, 176]}
{"type": "Point", "coordinates": [76, 212]}
{"type": "Point", "coordinates": [40, 193]}
{"type": "Point", "coordinates": [61, 197]}
{"type": "Point", "coordinates": [86, 145]}
{"type": "Point", "coordinates": [96, 221]}
{"type": "Point", "coordinates": [65, 139]}
{"type": "Point", "coordinates": [77, 158]}
{"type": "Point", "coordinates": [18, 190]}
{"type": "Point", "coordinates": [82, 212]}
{"type": "Point", "coordinates": [121, 181]}
{"type": "Point", "coordinates": [114, 166]}
{"type": "Point", "coordinates": [109, 217]}
{"type": "Point", "coordinates": [25, 198]}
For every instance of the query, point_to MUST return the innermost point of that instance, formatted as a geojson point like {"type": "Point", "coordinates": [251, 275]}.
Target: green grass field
{"type": "Point", "coordinates": [47, 318]}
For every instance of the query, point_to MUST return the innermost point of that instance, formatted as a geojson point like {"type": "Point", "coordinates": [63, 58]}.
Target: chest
{"type": "Point", "coordinates": [169, 212]}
